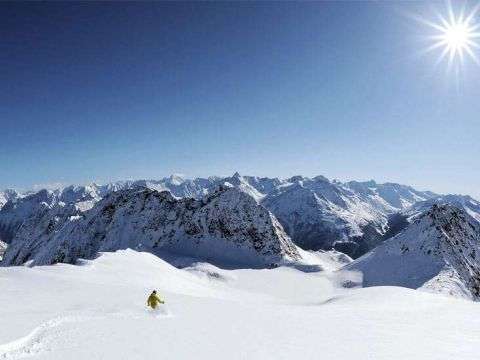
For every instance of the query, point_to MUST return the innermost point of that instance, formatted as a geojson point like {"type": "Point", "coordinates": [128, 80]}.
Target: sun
{"type": "Point", "coordinates": [455, 35]}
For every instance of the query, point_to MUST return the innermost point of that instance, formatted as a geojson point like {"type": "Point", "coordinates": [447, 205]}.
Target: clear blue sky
{"type": "Point", "coordinates": [108, 91]}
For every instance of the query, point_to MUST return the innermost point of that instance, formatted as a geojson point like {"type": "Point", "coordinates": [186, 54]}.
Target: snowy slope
{"type": "Point", "coordinates": [97, 311]}
{"type": "Point", "coordinates": [439, 251]}
{"type": "Point", "coordinates": [226, 226]}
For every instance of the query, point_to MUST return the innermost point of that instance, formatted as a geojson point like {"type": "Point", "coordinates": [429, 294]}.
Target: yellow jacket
{"type": "Point", "coordinates": [153, 300]}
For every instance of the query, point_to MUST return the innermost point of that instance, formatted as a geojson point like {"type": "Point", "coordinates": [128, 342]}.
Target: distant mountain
{"type": "Point", "coordinates": [389, 196]}
{"type": "Point", "coordinates": [226, 226]}
{"type": "Point", "coordinates": [17, 210]}
{"type": "Point", "coordinates": [316, 213]}
{"type": "Point", "coordinates": [8, 195]}
{"type": "Point", "coordinates": [439, 251]}
{"type": "Point", "coordinates": [465, 202]}
{"type": "Point", "coordinates": [321, 214]}
{"type": "Point", "coordinates": [399, 221]}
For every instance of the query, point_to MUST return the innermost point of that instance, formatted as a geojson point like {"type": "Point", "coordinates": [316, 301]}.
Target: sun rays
{"type": "Point", "coordinates": [454, 35]}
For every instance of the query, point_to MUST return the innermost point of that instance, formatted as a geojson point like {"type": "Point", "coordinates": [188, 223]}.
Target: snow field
{"type": "Point", "coordinates": [97, 311]}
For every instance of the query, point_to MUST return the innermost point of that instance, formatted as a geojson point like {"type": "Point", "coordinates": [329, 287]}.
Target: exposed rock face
{"type": "Point", "coordinates": [439, 251]}
{"type": "Point", "coordinates": [227, 226]}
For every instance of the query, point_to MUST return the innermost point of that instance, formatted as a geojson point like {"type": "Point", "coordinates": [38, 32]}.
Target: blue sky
{"type": "Point", "coordinates": [108, 91]}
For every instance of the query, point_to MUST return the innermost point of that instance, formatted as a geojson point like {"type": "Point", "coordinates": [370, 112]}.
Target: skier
{"type": "Point", "coordinates": [154, 300]}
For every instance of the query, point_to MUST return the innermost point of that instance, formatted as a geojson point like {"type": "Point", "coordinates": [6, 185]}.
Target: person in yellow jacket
{"type": "Point", "coordinates": [153, 300]}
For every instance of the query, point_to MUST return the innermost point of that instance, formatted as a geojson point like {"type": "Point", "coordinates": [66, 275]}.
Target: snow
{"type": "Point", "coordinates": [438, 252]}
{"type": "Point", "coordinates": [97, 311]}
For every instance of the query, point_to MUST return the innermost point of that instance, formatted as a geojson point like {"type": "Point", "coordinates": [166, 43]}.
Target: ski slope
{"type": "Point", "coordinates": [97, 311]}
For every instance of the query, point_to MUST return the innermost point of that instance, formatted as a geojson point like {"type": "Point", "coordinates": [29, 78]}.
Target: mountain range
{"type": "Point", "coordinates": [308, 208]}
{"type": "Point", "coordinates": [233, 221]}
{"type": "Point", "coordinates": [226, 226]}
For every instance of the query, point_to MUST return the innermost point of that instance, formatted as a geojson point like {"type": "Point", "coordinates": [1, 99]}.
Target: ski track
{"type": "Point", "coordinates": [39, 339]}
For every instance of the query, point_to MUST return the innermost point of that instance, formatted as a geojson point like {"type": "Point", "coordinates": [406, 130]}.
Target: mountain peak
{"type": "Point", "coordinates": [439, 251]}
{"type": "Point", "coordinates": [176, 179]}
{"type": "Point", "coordinates": [296, 179]}
{"type": "Point", "coordinates": [321, 178]}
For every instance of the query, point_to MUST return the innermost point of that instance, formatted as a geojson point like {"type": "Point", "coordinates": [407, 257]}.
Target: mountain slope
{"type": "Point", "coordinates": [227, 226]}
{"type": "Point", "coordinates": [439, 251]}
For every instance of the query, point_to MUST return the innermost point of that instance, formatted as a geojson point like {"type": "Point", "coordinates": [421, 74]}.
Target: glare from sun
{"type": "Point", "coordinates": [455, 35]}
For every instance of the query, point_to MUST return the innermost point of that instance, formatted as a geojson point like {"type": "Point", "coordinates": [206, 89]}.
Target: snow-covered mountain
{"type": "Point", "coordinates": [400, 220]}
{"type": "Point", "coordinates": [7, 195]}
{"type": "Point", "coordinates": [389, 196]}
{"type": "Point", "coordinates": [20, 209]}
{"type": "Point", "coordinates": [465, 202]}
{"type": "Point", "coordinates": [439, 251]}
{"type": "Point", "coordinates": [226, 226]}
{"type": "Point", "coordinates": [321, 214]}
{"type": "Point", "coordinates": [178, 186]}
{"type": "Point", "coordinates": [315, 212]}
